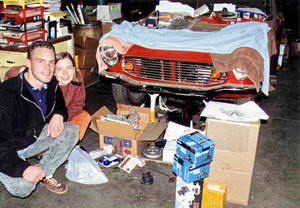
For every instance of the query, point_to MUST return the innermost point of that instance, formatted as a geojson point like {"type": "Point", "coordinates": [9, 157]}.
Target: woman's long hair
{"type": "Point", "coordinates": [78, 78]}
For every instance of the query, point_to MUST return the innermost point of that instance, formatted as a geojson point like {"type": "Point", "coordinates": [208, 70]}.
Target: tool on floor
{"type": "Point", "coordinates": [171, 178]}
{"type": "Point", "coordinates": [147, 178]}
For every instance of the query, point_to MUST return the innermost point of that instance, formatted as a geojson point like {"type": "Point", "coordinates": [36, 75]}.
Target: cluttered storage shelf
{"type": "Point", "coordinates": [23, 22]}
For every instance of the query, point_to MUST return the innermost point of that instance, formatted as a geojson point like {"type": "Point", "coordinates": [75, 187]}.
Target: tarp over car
{"type": "Point", "coordinates": [225, 41]}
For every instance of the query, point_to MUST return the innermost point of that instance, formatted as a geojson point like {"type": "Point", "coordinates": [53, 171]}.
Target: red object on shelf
{"type": "Point", "coordinates": [19, 16]}
{"type": "Point", "coordinates": [214, 20]}
{"type": "Point", "coordinates": [219, 20]}
{"type": "Point", "coordinates": [23, 15]}
{"type": "Point", "coordinates": [27, 37]}
{"type": "Point", "coordinates": [1, 8]}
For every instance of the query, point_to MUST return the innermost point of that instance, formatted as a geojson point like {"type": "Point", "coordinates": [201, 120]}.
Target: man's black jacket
{"type": "Point", "coordinates": [21, 120]}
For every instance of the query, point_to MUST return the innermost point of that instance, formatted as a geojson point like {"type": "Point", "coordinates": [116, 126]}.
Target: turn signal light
{"type": "Point", "coordinates": [215, 75]}
{"type": "Point", "coordinates": [128, 66]}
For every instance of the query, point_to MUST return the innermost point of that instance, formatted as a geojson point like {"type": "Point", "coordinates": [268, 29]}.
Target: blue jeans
{"type": "Point", "coordinates": [57, 151]}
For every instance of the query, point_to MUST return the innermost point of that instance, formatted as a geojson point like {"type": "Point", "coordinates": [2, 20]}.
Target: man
{"type": "Point", "coordinates": [32, 115]}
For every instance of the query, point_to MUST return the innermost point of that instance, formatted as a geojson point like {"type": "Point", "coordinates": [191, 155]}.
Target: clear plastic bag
{"type": "Point", "coordinates": [134, 119]}
{"type": "Point", "coordinates": [83, 169]}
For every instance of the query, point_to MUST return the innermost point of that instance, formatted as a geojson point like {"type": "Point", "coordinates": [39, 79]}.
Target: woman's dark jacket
{"type": "Point", "coordinates": [21, 120]}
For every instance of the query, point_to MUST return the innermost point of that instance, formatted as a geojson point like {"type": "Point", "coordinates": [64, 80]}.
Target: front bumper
{"type": "Point", "coordinates": [182, 90]}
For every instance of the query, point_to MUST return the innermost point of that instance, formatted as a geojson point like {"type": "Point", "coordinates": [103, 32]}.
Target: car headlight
{"type": "Point", "coordinates": [109, 55]}
{"type": "Point", "coordinates": [239, 74]}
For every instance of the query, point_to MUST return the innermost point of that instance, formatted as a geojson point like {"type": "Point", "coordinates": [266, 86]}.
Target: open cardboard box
{"type": "Point", "coordinates": [149, 131]}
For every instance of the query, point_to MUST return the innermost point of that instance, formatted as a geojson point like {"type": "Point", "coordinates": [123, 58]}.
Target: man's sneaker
{"type": "Point", "coordinates": [53, 185]}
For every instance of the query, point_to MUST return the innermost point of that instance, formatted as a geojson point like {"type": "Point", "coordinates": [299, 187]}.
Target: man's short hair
{"type": "Point", "coordinates": [39, 44]}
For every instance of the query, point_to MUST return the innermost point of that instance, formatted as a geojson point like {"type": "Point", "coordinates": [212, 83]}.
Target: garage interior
{"type": "Point", "coordinates": [276, 174]}
{"type": "Point", "coordinates": [276, 178]}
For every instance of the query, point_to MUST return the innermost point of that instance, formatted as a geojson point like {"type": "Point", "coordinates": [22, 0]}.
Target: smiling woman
{"type": "Point", "coordinates": [70, 82]}
{"type": "Point", "coordinates": [65, 71]}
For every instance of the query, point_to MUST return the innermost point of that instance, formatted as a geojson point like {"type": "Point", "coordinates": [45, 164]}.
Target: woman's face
{"type": "Point", "coordinates": [64, 71]}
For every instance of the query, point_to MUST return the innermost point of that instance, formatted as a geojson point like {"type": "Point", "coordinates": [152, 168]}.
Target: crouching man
{"type": "Point", "coordinates": [32, 115]}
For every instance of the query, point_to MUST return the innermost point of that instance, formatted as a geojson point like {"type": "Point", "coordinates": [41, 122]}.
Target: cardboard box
{"type": "Point", "coordinates": [86, 42]}
{"type": "Point", "coordinates": [234, 156]}
{"type": "Point", "coordinates": [106, 27]}
{"type": "Point", "coordinates": [139, 138]}
{"type": "Point", "coordinates": [188, 194]}
{"type": "Point", "coordinates": [132, 147]}
{"type": "Point", "coordinates": [107, 13]}
{"type": "Point", "coordinates": [120, 130]}
{"type": "Point", "coordinates": [214, 194]}
{"type": "Point", "coordinates": [86, 58]}
{"type": "Point", "coordinates": [238, 183]}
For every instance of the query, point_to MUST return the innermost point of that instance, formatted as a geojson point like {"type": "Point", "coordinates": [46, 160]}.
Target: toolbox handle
{"type": "Point", "coordinates": [10, 62]}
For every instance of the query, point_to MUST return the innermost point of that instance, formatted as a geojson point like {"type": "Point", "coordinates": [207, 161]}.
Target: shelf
{"type": "Point", "coordinates": [27, 37]}
{"type": "Point", "coordinates": [21, 3]}
{"type": "Point", "coordinates": [21, 16]}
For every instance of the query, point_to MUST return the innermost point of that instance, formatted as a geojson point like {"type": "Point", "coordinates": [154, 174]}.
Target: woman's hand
{"type": "Point", "coordinates": [56, 126]}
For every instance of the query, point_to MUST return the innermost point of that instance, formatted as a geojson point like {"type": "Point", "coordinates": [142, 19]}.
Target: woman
{"type": "Point", "coordinates": [70, 82]}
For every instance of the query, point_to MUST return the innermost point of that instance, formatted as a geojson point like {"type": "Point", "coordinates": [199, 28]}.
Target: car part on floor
{"type": "Point", "coordinates": [147, 178]}
{"type": "Point", "coordinates": [152, 152]}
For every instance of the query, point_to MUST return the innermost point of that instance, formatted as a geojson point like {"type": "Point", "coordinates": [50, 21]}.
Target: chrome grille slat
{"type": "Point", "coordinates": [170, 71]}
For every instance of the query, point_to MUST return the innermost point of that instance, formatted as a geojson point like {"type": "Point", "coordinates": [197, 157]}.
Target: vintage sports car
{"type": "Point", "coordinates": [213, 58]}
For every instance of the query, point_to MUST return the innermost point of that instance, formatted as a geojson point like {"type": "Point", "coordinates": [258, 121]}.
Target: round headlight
{"type": "Point", "coordinates": [239, 74]}
{"type": "Point", "coordinates": [109, 55]}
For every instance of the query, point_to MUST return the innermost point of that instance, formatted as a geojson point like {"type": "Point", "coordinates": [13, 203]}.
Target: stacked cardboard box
{"type": "Point", "coordinates": [234, 156]}
{"type": "Point", "coordinates": [85, 48]}
{"type": "Point", "coordinates": [86, 42]}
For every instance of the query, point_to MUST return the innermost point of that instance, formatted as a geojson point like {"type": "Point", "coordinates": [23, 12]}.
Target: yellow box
{"type": "Point", "coordinates": [21, 3]}
{"type": "Point", "coordinates": [214, 194]}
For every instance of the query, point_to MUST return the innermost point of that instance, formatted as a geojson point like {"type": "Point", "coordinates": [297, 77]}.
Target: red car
{"type": "Point", "coordinates": [141, 70]}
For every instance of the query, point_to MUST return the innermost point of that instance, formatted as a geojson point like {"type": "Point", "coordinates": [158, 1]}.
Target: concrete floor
{"type": "Point", "coordinates": [276, 178]}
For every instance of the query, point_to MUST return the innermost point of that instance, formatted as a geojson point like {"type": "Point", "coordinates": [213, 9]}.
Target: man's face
{"type": "Point", "coordinates": [41, 65]}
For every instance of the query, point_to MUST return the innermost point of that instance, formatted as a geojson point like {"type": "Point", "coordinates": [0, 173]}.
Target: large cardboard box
{"type": "Point", "coordinates": [86, 58]}
{"type": "Point", "coordinates": [234, 157]}
{"type": "Point", "coordinates": [86, 42]}
{"type": "Point", "coordinates": [139, 139]}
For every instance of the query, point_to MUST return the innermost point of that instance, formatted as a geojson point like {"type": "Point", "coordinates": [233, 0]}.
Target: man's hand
{"type": "Point", "coordinates": [56, 126]}
{"type": "Point", "coordinates": [33, 174]}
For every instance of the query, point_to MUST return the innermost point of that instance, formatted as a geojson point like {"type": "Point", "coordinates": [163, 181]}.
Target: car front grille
{"type": "Point", "coordinates": [173, 72]}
